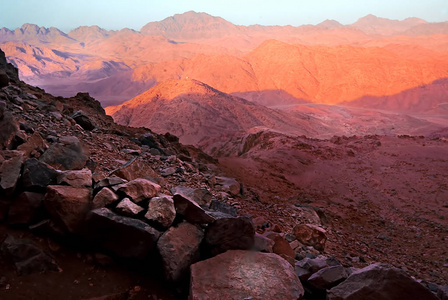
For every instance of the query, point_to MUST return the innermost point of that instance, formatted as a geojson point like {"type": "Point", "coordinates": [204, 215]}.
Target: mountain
{"type": "Point", "coordinates": [371, 24]}
{"type": "Point", "coordinates": [193, 111]}
{"type": "Point", "coordinates": [190, 25]}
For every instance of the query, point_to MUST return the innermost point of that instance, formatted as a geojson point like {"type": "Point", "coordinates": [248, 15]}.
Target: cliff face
{"type": "Point", "coordinates": [8, 69]}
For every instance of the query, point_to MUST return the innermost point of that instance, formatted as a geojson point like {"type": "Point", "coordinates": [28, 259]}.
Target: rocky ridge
{"type": "Point", "coordinates": [70, 175]}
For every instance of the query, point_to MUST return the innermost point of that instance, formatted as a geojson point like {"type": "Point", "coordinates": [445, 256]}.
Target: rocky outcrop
{"type": "Point", "coordinates": [238, 274]}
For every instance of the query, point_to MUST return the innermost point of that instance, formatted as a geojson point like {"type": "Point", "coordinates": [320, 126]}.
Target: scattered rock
{"type": "Point", "coordinates": [230, 234]}
{"type": "Point", "coordinates": [128, 208]}
{"type": "Point", "coordinates": [329, 277]}
{"type": "Point", "coordinates": [123, 236]}
{"type": "Point", "coordinates": [229, 185]}
{"type": "Point", "coordinates": [161, 210]}
{"type": "Point", "coordinates": [67, 154]}
{"type": "Point", "coordinates": [191, 211]}
{"type": "Point", "coordinates": [9, 128]}
{"type": "Point", "coordinates": [34, 143]}
{"type": "Point", "coordinates": [201, 196]}
{"type": "Point", "coordinates": [26, 209]}
{"type": "Point", "coordinates": [380, 282]}
{"type": "Point", "coordinates": [179, 248]}
{"type": "Point", "coordinates": [83, 120]}
{"type": "Point", "coordinates": [311, 235]}
{"type": "Point", "coordinates": [282, 247]}
{"type": "Point", "coordinates": [76, 178]}
{"type": "Point", "coordinates": [442, 292]}
{"type": "Point", "coordinates": [238, 274]}
{"type": "Point", "coordinates": [135, 168]}
{"type": "Point", "coordinates": [139, 189]}
{"type": "Point", "coordinates": [168, 172]}
{"type": "Point", "coordinates": [67, 205]}
{"type": "Point", "coordinates": [103, 198]}
{"type": "Point", "coordinates": [223, 207]}
{"type": "Point", "coordinates": [37, 175]}
{"type": "Point", "coordinates": [109, 181]}
{"type": "Point", "coordinates": [308, 266]}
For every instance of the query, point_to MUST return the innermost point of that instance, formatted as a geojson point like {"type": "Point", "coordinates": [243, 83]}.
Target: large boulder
{"type": "Point", "coordinates": [179, 248]}
{"type": "Point", "coordinates": [67, 154]}
{"type": "Point", "coordinates": [123, 236]}
{"type": "Point", "coordinates": [38, 175]}
{"type": "Point", "coordinates": [238, 274]}
{"type": "Point", "coordinates": [191, 211]}
{"type": "Point", "coordinates": [139, 189]}
{"type": "Point", "coordinates": [26, 209]}
{"type": "Point", "coordinates": [75, 178]}
{"type": "Point", "coordinates": [230, 234]}
{"type": "Point", "coordinates": [67, 205]}
{"type": "Point", "coordinates": [311, 235]}
{"type": "Point", "coordinates": [10, 173]}
{"type": "Point", "coordinates": [161, 211]}
{"type": "Point", "coordinates": [380, 282]}
{"type": "Point", "coordinates": [83, 120]}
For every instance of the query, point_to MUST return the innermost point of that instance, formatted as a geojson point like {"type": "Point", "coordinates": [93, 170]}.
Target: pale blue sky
{"type": "Point", "coordinates": [117, 14]}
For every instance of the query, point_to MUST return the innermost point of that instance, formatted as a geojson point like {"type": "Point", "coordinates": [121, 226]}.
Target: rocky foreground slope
{"type": "Point", "coordinates": [148, 217]}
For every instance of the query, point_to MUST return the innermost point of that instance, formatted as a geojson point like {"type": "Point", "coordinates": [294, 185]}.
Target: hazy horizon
{"type": "Point", "coordinates": [115, 15]}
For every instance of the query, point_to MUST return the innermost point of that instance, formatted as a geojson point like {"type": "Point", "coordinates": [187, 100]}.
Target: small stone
{"type": "Point", "coordinates": [135, 168]}
{"type": "Point", "coordinates": [128, 208]}
{"type": "Point", "coordinates": [161, 210]}
{"type": "Point", "coordinates": [201, 196]}
{"type": "Point", "coordinates": [311, 235]}
{"type": "Point", "coordinates": [262, 243]}
{"type": "Point", "coordinates": [139, 189]}
{"type": "Point", "coordinates": [191, 211]}
{"type": "Point", "coordinates": [103, 198]}
{"type": "Point", "coordinates": [329, 277]}
{"type": "Point", "coordinates": [229, 185]}
{"type": "Point", "coordinates": [75, 178]}
{"type": "Point", "coordinates": [10, 173]}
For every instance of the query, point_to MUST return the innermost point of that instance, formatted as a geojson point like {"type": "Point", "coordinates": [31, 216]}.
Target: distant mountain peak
{"type": "Point", "coordinates": [329, 24]}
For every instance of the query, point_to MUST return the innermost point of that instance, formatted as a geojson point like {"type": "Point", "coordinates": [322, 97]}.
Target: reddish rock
{"type": "Point", "coordinates": [161, 210]}
{"type": "Point", "coordinates": [110, 181]}
{"type": "Point", "coordinates": [191, 211]}
{"type": "Point", "coordinates": [136, 168]}
{"type": "Point", "coordinates": [229, 185]}
{"type": "Point", "coordinates": [238, 274]}
{"type": "Point", "coordinates": [329, 277]}
{"type": "Point", "coordinates": [139, 189]}
{"type": "Point", "coordinates": [67, 205]}
{"type": "Point", "coordinates": [67, 154]}
{"type": "Point", "coordinates": [200, 196]}
{"type": "Point", "coordinates": [103, 198]}
{"type": "Point", "coordinates": [123, 236]}
{"type": "Point", "coordinates": [380, 282]}
{"type": "Point", "coordinates": [26, 209]}
{"type": "Point", "coordinates": [282, 247]}
{"type": "Point", "coordinates": [230, 234]}
{"type": "Point", "coordinates": [10, 173]}
{"type": "Point", "coordinates": [128, 208]}
{"type": "Point", "coordinates": [179, 248]}
{"type": "Point", "coordinates": [38, 175]}
{"type": "Point", "coordinates": [75, 178]}
{"type": "Point", "coordinates": [34, 143]}
{"type": "Point", "coordinates": [311, 235]}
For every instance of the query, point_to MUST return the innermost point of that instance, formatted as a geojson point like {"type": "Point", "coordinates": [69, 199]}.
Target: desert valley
{"type": "Point", "coordinates": [323, 147]}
